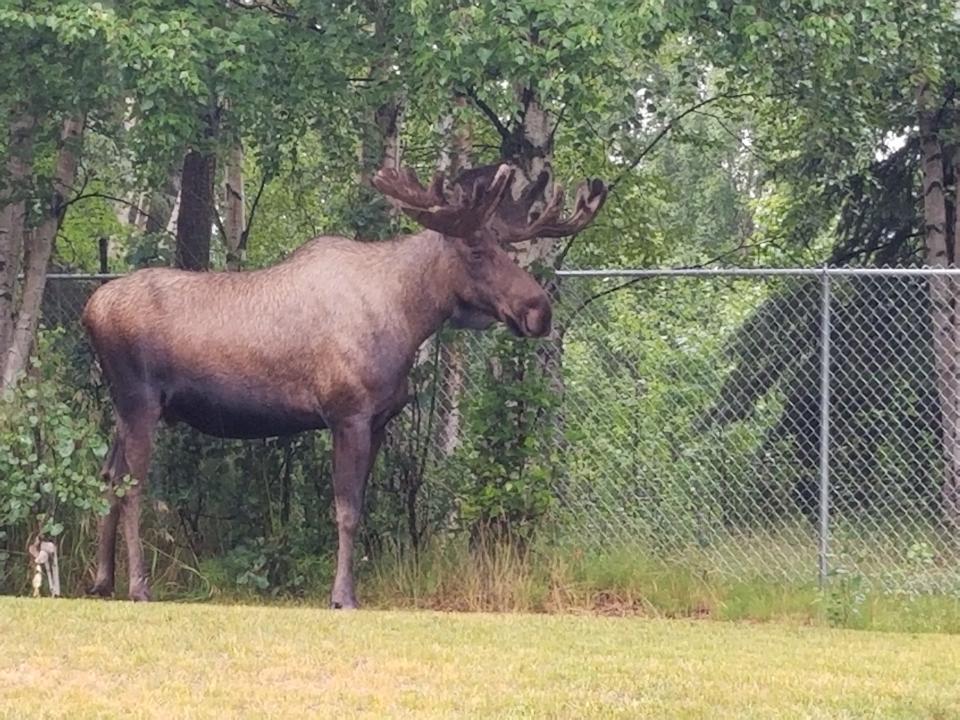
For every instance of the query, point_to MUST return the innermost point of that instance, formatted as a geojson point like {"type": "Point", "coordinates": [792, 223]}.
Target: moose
{"type": "Point", "coordinates": [324, 339]}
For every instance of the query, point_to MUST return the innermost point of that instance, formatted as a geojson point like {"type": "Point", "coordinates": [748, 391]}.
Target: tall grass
{"type": "Point", "coordinates": [452, 574]}
{"type": "Point", "coordinates": [493, 577]}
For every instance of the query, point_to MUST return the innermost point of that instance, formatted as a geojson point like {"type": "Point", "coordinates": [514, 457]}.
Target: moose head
{"type": "Point", "coordinates": [480, 218]}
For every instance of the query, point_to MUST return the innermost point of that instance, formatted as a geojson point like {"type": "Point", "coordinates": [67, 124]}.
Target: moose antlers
{"type": "Point", "coordinates": [590, 198]}
{"type": "Point", "coordinates": [475, 204]}
{"type": "Point", "coordinates": [462, 217]}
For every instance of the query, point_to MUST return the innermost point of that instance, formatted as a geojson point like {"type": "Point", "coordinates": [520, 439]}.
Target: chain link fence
{"type": "Point", "coordinates": [788, 425]}
{"type": "Point", "coordinates": [791, 425]}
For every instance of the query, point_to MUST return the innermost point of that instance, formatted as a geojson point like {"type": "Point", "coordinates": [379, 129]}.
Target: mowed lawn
{"type": "Point", "coordinates": [78, 659]}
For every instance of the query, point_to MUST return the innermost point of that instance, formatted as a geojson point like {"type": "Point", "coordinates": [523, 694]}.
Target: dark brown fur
{"type": "Point", "coordinates": [325, 339]}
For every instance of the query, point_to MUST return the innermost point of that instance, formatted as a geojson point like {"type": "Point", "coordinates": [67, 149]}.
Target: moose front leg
{"type": "Point", "coordinates": [354, 446]}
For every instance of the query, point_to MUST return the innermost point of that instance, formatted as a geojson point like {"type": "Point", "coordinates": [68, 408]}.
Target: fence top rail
{"type": "Point", "coordinates": [84, 276]}
{"type": "Point", "coordinates": [677, 272]}
{"type": "Point", "coordinates": [762, 272]}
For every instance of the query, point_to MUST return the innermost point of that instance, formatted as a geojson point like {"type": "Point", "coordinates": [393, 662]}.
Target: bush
{"type": "Point", "coordinates": [51, 448]}
{"type": "Point", "coordinates": [510, 456]}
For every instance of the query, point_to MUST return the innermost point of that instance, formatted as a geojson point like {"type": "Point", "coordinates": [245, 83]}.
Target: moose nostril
{"type": "Point", "coordinates": [537, 319]}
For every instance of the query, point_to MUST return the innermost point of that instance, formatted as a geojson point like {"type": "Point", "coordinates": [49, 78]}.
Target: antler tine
{"type": "Point", "coordinates": [590, 198]}
{"type": "Point", "coordinates": [460, 216]}
{"type": "Point", "coordinates": [404, 189]}
{"type": "Point", "coordinates": [591, 195]}
{"type": "Point", "coordinates": [436, 187]}
{"type": "Point", "coordinates": [549, 217]}
{"type": "Point", "coordinates": [494, 192]}
{"type": "Point", "coordinates": [475, 210]}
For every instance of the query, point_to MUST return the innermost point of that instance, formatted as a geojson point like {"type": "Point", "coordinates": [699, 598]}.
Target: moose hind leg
{"type": "Point", "coordinates": [352, 459]}
{"type": "Point", "coordinates": [138, 445]}
{"type": "Point", "coordinates": [113, 470]}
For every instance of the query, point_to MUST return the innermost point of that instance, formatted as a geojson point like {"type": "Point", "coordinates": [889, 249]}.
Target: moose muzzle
{"type": "Point", "coordinates": [532, 319]}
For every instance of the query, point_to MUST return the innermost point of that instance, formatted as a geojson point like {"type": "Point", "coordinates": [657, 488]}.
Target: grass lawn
{"type": "Point", "coordinates": [77, 659]}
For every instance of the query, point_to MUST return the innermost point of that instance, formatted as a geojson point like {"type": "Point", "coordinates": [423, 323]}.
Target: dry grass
{"type": "Point", "coordinates": [79, 659]}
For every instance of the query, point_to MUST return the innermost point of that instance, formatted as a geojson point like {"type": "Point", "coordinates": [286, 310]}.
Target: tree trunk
{"type": "Point", "coordinates": [387, 118]}
{"type": "Point", "coordinates": [13, 220]}
{"type": "Point", "coordinates": [136, 217]}
{"type": "Point", "coordinates": [535, 156]}
{"type": "Point", "coordinates": [163, 204]}
{"type": "Point", "coordinates": [542, 253]}
{"type": "Point", "coordinates": [195, 219]}
{"type": "Point", "coordinates": [38, 248]}
{"type": "Point", "coordinates": [379, 147]}
{"type": "Point", "coordinates": [941, 252]}
{"type": "Point", "coordinates": [951, 429]}
{"type": "Point", "coordinates": [234, 219]}
{"type": "Point", "coordinates": [452, 367]}
{"type": "Point", "coordinates": [452, 353]}
{"type": "Point", "coordinates": [171, 227]}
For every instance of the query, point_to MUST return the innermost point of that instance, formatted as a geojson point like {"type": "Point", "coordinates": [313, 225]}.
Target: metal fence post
{"type": "Point", "coordinates": [824, 544]}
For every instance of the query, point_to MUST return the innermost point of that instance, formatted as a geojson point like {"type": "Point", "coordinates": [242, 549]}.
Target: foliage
{"type": "Point", "coordinates": [648, 363]}
{"type": "Point", "coordinates": [789, 158]}
{"type": "Point", "coordinates": [255, 515]}
{"type": "Point", "coordinates": [50, 452]}
{"type": "Point", "coordinates": [509, 460]}
{"type": "Point", "coordinates": [51, 447]}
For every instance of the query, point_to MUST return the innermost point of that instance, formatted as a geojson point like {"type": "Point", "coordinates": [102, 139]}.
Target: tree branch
{"type": "Point", "coordinates": [663, 132]}
{"type": "Point", "coordinates": [633, 281]}
{"type": "Point", "coordinates": [674, 121]}
{"type": "Point", "coordinates": [105, 196]}
{"type": "Point", "coordinates": [841, 256]}
{"type": "Point", "coordinates": [723, 126]}
{"type": "Point", "coordinates": [253, 210]}
{"type": "Point", "coordinates": [218, 221]}
{"type": "Point", "coordinates": [268, 7]}
{"type": "Point", "coordinates": [275, 9]}
{"type": "Point", "coordinates": [504, 132]}
{"type": "Point", "coordinates": [562, 255]}
{"type": "Point", "coordinates": [556, 126]}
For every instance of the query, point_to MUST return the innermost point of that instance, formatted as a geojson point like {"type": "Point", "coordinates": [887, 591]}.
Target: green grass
{"type": "Point", "coordinates": [79, 659]}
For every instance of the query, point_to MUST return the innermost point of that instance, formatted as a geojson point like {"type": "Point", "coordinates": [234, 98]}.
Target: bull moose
{"type": "Point", "coordinates": [324, 339]}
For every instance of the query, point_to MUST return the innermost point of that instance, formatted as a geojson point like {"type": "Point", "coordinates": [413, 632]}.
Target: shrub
{"type": "Point", "coordinates": [51, 448]}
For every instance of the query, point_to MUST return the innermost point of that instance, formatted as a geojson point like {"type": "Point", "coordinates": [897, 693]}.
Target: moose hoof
{"type": "Point", "coordinates": [100, 591]}
{"type": "Point", "coordinates": [345, 605]}
{"type": "Point", "coordinates": [141, 595]}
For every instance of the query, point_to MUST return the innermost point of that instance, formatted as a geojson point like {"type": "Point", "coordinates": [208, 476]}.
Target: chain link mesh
{"type": "Point", "coordinates": [686, 422]}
